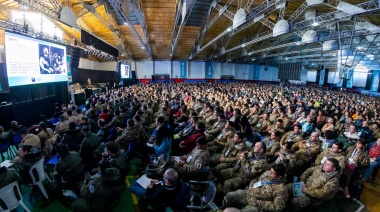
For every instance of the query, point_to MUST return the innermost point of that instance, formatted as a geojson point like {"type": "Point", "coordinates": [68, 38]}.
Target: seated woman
{"type": "Point", "coordinates": [162, 143]}
{"type": "Point", "coordinates": [27, 157]}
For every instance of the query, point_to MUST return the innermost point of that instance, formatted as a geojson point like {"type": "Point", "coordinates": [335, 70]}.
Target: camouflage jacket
{"type": "Point", "coordinates": [253, 167]}
{"type": "Point", "coordinates": [361, 158]}
{"type": "Point", "coordinates": [271, 196]}
{"type": "Point", "coordinates": [307, 150]}
{"type": "Point", "coordinates": [231, 153]}
{"type": "Point", "coordinates": [225, 136]}
{"type": "Point", "coordinates": [319, 184]}
{"type": "Point", "coordinates": [128, 135]}
{"type": "Point", "coordinates": [262, 126]}
{"type": "Point", "coordinates": [216, 128]}
{"type": "Point", "coordinates": [289, 160]}
{"type": "Point", "coordinates": [328, 154]}
{"type": "Point", "coordinates": [210, 120]}
{"type": "Point", "coordinates": [272, 147]}
{"type": "Point", "coordinates": [290, 136]}
{"type": "Point", "coordinates": [195, 161]}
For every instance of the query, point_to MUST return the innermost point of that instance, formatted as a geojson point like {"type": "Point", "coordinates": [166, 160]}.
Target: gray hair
{"type": "Point", "coordinates": [171, 175]}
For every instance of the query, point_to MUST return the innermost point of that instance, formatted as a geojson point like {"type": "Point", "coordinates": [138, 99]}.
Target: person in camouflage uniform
{"type": "Point", "coordinates": [217, 145]}
{"type": "Point", "coordinates": [230, 154]}
{"type": "Point", "coordinates": [210, 120]}
{"type": "Point", "coordinates": [191, 165]}
{"type": "Point", "coordinates": [129, 134]}
{"type": "Point", "coordinates": [116, 120]}
{"type": "Point", "coordinates": [263, 124]}
{"type": "Point", "coordinates": [273, 146]}
{"type": "Point", "coordinates": [288, 158]}
{"type": "Point", "coordinates": [276, 127]}
{"type": "Point", "coordinates": [247, 168]}
{"type": "Point", "coordinates": [306, 151]}
{"type": "Point", "coordinates": [269, 193]}
{"type": "Point", "coordinates": [357, 158]}
{"type": "Point", "coordinates": [286, 122]}
{"type": "Point", "coordinates": [336, 151]}
{"type": "Point", "coordinates": [320, 184]}
{"type": "Point", "coordinates": [207, 115]}
{"type": "Point", "coordinates": [294, 136]}
{"type": "Point", "coordinates": [216, 128]}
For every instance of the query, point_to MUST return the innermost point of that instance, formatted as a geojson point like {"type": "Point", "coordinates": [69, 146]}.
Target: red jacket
{"type": "Point", "coordinates": [190, 142]}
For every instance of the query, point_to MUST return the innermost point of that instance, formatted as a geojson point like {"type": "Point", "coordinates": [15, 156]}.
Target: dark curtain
{"type": "Point", "coordinates": [26, 103]}
{"type": "Point", "coordinates": [96, 76]}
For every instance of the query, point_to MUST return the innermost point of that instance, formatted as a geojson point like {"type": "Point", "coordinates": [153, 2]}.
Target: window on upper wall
{"type": "Point", "coordinates": [37, 22]}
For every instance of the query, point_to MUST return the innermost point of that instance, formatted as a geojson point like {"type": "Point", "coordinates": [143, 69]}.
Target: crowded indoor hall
{"type": "Point", "coordinates": [189, 105]}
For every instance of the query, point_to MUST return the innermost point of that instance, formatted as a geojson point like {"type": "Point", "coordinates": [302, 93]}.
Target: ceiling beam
{"type": "Point", "coordinates": [262, 9]}
{"type": "Point", "coordinates": [177, 30]}
{"type": "Point", "coordinates": [145, 46]}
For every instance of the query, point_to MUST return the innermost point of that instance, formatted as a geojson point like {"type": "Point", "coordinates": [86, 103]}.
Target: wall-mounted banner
{"type": "Point", "coordinates": [69, 74]}
{"type": "Point", "coordinates": [322, 77]}
{"type": "Point", "coordinates": [375, 80]}
{"type": "Point", "coordinates": [351, 79]}
{"type": "Point", "coordinates": [208, 70]}
{"type": "Point", "coordinates": [183, 69]}
{"type": "Point", "coordinates": [256, 75]}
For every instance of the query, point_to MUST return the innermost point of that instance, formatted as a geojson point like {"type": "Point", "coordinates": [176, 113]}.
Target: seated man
{"type": "Point", "coordinates": [62, 126]}
{"type": "Point", "coordinates": [30, 139]}
{"type": "Point", "coordinates": [320, 184]}
{"type": "Point", "coordinates": [72, 137]}
{"type": "Point", "coordinates": [27, 157]}
{"type": "Point", "coordinates": [336, 152]}
{"type": "Point", "coordinates": [216, 128]}
{"type": "Point", "coordinates": [306, 151]}
{"type": "Point", "coordinates": [191, 165]}
{"type": "Point", "coordinates": [88, 147]}
{"type": "Point", "coordinates": [68, 167]}
{"type": "Point", "coordinates": [273, 145]}
{"type": "Point", "coordinates": [217, 145]}
{"type": "Point", "coordinates": [98, 192]}
{"type": "Point", "coordinates": [117, 158]}
{"type": "Point", "coordinates": [230, 154]}
{"type": "Point", "coordinates": [294, 136]}
{"type": "Point", "coordinates": [278, 126]}
{"type": "Point", "coordinates": [269, 193]}
{"type": "Point", "coordinates": [129, 134]}
{"type": "Point", "coordinates": [159, 193]}
{"type": "Point", "coordinates": [246, 169]}
{"type": "Point", "coordinates": [263, 124]}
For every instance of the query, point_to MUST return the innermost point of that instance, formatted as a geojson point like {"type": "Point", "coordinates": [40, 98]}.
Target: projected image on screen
{"type": "Point", "coordinates": [124, 71]}
{"type": "Point", "coordinates": [32, 61]}
{"type": "Point", "coordinates": [51, 60]}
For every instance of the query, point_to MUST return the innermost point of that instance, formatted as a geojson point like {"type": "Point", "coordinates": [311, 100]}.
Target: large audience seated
{"type": "Point", "coordinates": [256, 142]}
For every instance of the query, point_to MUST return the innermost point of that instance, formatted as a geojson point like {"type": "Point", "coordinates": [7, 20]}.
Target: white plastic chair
{"type": "Point", "coordinates": [11, 198]}
{"type": "Point", "coordinates": [39, 167]}
{"type": "Point", "coordinates": [207, 195]}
